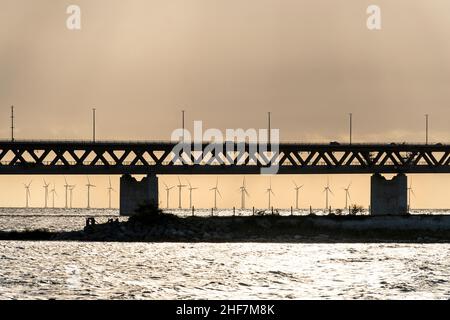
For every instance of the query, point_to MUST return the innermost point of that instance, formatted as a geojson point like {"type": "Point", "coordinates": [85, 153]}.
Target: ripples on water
{"type": "Point", "coordinates": [66, 270]}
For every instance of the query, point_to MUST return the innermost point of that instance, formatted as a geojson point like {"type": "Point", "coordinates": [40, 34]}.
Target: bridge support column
{"type": "Point", "coordinates": [388, 197]}
{"type": "Point", "coordinates": [134, 193]}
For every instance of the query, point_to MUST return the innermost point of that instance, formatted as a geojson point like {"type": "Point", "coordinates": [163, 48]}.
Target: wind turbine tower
{"type": "Point", "coordinates": [89, 186]}
{"type": "Point", "coordinates": [327, 190]}
{"type": "Point", "coordinates": [110, 189]}
{"type": "Point", "coordinates": [27, 193]}
{"type": "Point", "coordinates": [216, 192]}
{"type": "Point", "coordinates": [190, 194]}
{"type": "Point", "coordinates": [296, 188]}
{"type": "Point", "coordinates": [45, 186]}
{"type": "Point", "coordinates": [180, 186]}
{"type": "Point", "coordinates": [244, 193]}
{"type": "Point", "coordinates": [270, 192]}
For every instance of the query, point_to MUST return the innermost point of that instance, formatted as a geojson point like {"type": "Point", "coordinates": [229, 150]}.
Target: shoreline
{"type": "Point", "coordinates": [264, 229]}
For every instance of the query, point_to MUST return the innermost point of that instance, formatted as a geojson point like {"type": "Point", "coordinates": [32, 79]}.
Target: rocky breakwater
{"type": "Point", "coordinates": [153, 225]}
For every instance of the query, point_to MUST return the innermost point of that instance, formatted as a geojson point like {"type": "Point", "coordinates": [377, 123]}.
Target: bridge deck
{"type": "Point", "coordinates": [159, 157]}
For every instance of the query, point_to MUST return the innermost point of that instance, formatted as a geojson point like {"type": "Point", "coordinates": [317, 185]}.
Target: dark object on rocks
{"type": "Point", "coordinates": [148, 214]}
{"type": "Point", "coordinates": [90, 221]}
{"type": "Point", "coordinates": [260, 212]}
{"type": "Point", "coordinates": [355, 209]}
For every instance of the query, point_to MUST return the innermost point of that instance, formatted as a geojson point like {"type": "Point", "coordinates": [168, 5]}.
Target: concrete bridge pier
{"type": "Point", "coordinates": [134, 193]}
{"type": "Point", "coordinates": [388, 197]}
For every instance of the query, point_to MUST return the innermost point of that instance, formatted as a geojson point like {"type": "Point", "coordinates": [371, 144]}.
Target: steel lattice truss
{"type": "Point", "coordinates": [62, 157]}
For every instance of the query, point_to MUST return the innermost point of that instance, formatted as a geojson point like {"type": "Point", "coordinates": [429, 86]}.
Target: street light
{"type": "Point", "coordinates": [93, 124]}
{"type": "Point", "coordinates": [182, 122]}
{"type": "Point", "coordinates": [350, 118]}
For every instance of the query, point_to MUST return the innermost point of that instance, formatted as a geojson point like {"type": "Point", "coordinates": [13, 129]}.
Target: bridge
{"type": "Point", "coordinates": [152, 158]}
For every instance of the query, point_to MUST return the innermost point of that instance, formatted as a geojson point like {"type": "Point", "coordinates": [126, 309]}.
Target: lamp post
{"type": "Point", "coordinates": [93, 124]}
{"type": "Point", "coordinates": [350, 124]}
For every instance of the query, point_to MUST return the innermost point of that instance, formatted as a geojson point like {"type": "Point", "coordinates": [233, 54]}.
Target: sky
{"type": "Point", "coordinates": [227, 63]}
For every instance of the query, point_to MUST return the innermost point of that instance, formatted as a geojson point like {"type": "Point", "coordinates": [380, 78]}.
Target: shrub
{"type": "Point", "coordinates": [355, 209]}
{"type": "Point", "coordinates": [148, 213]}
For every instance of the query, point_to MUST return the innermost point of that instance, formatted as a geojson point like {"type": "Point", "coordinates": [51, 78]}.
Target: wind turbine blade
{"type": "Point", "coordinates": [218, 192]}
{"type": "Point", "coordinates": [272, 192]}
{"type": "Point", "coordinates": [248, 194]}
{"type": "Point", "coordinates": [412, 191]}
{"type": "Point", "coordinates": [295, 184]}
{"type": "Point", "coordinates": [179, 181]}
{"type": "Point", "coordinates": [331, 191]}
{"type": "Point", "coordinates": [217, 182]}
{"type": "Point", "coordinates": [110, 182]}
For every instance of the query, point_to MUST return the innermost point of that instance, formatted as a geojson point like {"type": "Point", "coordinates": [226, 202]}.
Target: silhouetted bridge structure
{"type": "Point", "coordinates": [78, 157]}
{"type": "Point", "coordinates": [153, 158]}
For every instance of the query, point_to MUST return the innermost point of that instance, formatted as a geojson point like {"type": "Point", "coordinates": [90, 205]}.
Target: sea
{"type": "Point", "coordinates": [107, 270]}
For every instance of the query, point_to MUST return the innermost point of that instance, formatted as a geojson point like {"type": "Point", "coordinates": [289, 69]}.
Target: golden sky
{"type": "Point", "coordinates": [227, 63]}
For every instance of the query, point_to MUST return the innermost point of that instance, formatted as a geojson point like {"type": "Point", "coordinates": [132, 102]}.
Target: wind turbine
{"type": "Point", "coordinates": [244, 193]}
{"type": "Point", "coordinates": [326, 190]}
{"type": "Point", "coordinates": [27, 193]}
{"type": "Point", "coordinates": [53, 192]}
{"type": "Point", "coordinates": [89, 185]}
{"type": "Point", "coordinates": [45, 186]}
{"type": "Point", "coordinates": [66, 186]}
{"type": "Point", "coordinates": [347, 195]}
{"type": "Point", "coordinates": [296, 188]}
{"type": "Point", "coordinates": [179, 192]}
{"type": "Point", "coordinates": [410, 191]}
{"type": "Point", "coordinates": [71, 187]}
{"type": "Point", "coordinates": [167, 193]}
{"type": "Point", "coordinates": [110, 188]}
{"type": "Point", "coordinates": [190, 194]}
{"type": "Point", "coordinates": [216, 191]}
{"type": "Point", "coordinates": [270, 192]}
